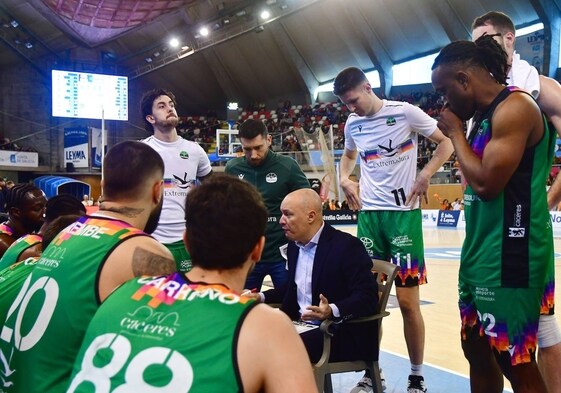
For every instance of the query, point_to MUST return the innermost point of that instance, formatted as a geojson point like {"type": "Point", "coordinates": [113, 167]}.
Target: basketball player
{"type": "Point", "coordinates": [509, 245]}
{"type": "Point", "coordinates": [384, 134]}
{"type": "Point", "coordinates": [547, 91]}
{"type": "Point", "coordinates": [186, 163]}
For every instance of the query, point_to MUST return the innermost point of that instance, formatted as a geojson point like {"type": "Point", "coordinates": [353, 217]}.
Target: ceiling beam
{"type": "Point", "coordinates": [306, 78]}
{"type": "Point", "coordinates": [227, 83]}
{"type": "Point", "coordinates": [449, 20]}
{"type": "Point", "coordinates": [370, 41]}
{"type": "Point", "coordinates": [232, 32]}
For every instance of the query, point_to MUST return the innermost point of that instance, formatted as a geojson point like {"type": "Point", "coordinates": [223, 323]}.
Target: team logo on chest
{"type": "Point", "coordinates": [390, 121]}
{"type": "Point", "coordinates": [241, 176]}
{"type": "Point", "coordinates": [183, 154]}
{"type": "Point", "coordinates": [271, 178]}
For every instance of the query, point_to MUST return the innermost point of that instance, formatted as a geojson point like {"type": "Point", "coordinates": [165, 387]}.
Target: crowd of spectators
{"type": "Point", "coordinates": [7, 144]}
{"type": "Point", "coordinates": [296, 127]}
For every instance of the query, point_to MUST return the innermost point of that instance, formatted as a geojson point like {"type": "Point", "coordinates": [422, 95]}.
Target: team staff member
{"type": "Point", "coordinates": [505, 161]}
{"type": "Point", "coordinates": [186, 163]}
{"type": "Point", "coordinates": [42, 334]}
{"type": "Point", "coordinates": [275, 176]}
{"type": "Point", "coordinates": [194, 331]}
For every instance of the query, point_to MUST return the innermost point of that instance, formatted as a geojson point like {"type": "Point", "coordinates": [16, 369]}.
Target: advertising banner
{"type": "Point", "coordinates": [76, 150]}
{"type": "Point", "coordinates": [531, 48]}
{"type": "Point", "coordinates": [19, 158]}
{"type": "Point", "coordinates": [96, 147]}
{"type": "Point", "coordinates": [448, 218]}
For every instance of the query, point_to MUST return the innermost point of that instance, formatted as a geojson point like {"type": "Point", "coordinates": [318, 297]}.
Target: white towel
{"type": "Point", "coordinates": [523, 75]}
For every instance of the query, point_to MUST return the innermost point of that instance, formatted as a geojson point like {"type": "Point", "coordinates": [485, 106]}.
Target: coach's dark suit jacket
{"type": "Point", "coordinates": [342, 273]}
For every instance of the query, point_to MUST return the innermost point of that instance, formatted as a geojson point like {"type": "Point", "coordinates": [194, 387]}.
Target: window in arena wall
{"type": "Point", "coordinates": [413, 72]}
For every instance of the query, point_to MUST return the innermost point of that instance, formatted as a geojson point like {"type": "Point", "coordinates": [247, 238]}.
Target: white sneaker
{"type": "Point", "coordinates": [363, 386]}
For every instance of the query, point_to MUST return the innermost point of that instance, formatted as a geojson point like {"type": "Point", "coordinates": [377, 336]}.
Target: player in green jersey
{"type": "Point", "coordinates": [508, 248]}
{"type": "Point", "coordinates": [44, 327]}
{"type": "Point", "coordinates": [194, 332]}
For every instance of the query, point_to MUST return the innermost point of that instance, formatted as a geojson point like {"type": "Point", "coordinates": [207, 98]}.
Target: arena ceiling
{"type": "Point", "coordinates": [244, 59]}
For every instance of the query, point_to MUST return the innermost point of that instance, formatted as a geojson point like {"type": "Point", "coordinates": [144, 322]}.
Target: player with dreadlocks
{"type": "Point", "coordinates": [508, 246]}
{"type": "Point", "coordinates": [30, 245]}
{"type": "Point", "coordinates": [25, 205]}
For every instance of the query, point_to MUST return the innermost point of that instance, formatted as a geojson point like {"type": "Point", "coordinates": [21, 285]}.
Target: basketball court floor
{"type": "Point", "coordinates": [445, 367]}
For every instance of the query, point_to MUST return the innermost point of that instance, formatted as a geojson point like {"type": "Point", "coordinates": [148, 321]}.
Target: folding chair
{"type": "Point", "coordinates": [385, 274]}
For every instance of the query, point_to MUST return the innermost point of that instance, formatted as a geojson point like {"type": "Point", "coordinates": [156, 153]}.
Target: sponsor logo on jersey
{"type": "Point", "coordinates": [516, 232]}
{"type": "Point", "coordinates": [146, 322]}
{"type": "Point", "coordinates": [241, 176]}
{"type": "Point", "coordinates": [388, 151]}
{"type": "Point", "coordinates": [368, 243]}
{"type": "Point", "coordinates": [402, 241]}
{"type": "Point", "coordinates": [359, 127]}
{"type": "Point", "coordinates": [390, 121]}
{"type": "Point", "coordinates": [182, 183]}
{"type": "Point", "coordinates": [511, 349]}
{"type": "Point", "coordinates": [183, 154]}
{"type": "Point", "coordinates": [271, 178]}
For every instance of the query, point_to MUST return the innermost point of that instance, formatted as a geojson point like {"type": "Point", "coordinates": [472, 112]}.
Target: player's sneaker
{"type": "Point", "coordinates": [363, 386]}
{"type": "Point", "coordinates": [416, 384]}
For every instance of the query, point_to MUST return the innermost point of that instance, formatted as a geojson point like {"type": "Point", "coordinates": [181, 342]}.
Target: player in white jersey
{"type": "Point", "coordinates": [547, 92]}
{"type": "Point", "coordinates": [384, 135]}
{"type": "Point", "coordinates": [185, 162]}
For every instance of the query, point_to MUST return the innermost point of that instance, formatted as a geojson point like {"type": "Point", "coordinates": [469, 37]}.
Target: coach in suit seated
{"type": "Point", "coordinates": [329, 277]}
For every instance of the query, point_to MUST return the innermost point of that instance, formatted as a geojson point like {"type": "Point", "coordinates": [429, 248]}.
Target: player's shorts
{"type": "Point", "coordinates": [396, 236]}
{"type": "Point", "coordinates": [508, 317]}
{"type": "Point", "coordinates": [180, 255]}
{"type": "Point", "coordinates": [548, 298]}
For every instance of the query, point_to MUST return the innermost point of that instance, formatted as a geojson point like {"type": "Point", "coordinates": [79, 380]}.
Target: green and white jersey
{"type": "Point", "coordinates": [11, 280]}
{"type": "Point", "coordinates": [509, 239]}
{"type": "Point", "coordinates": [387, 147]}
{"type": "Point", "coordinates": [45, 324]}
{"type": "Point", "coordinates": [184, 162]}
{"type": "Point", "coordinates": [13, 252]}
{"type": "Point", "coordinates": [163, 334]}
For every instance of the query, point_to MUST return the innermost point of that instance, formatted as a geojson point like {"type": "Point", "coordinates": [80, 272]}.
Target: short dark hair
{"type": "Point", "coordinates": [218, 237]}
{"type": "Point", "coordinates": [126, 167]}
{"type": "Point", "coordinates": [251, 128]}
{"type": "Point", "coordinates": [61, 205]}
{"type": "Point", "coordinates": [147, 101]}
{"type": "Point", "coordinates": [348, 79]}
{"type": "Point", "coordinates": [54, 227]}
{"type": "Point", "coordinates": [17, 195]}
{"type": "Point", "coordinates": [485, 53]}
{"type": "Point", "coordinates": [499, 20]}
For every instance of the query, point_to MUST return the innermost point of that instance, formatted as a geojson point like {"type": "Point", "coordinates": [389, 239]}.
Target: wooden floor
{"type": "Point", "coordinates": [441, 316]}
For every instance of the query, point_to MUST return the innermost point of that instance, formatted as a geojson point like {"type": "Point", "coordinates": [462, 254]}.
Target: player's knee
{"type": "Point", "coordinates": [549, 333]}
{"type": "Point", "coordinates": [476, 349]}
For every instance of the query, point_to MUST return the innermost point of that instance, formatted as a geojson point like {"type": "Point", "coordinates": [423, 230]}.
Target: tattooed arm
{"type": "Point", "coordinates": [147, 262]}
{"type": "Point", "coordinates": [137, 256]}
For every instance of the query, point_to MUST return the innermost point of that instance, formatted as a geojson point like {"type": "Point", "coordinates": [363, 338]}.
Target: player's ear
{"type": "Point", "coordinates": [463, 79]}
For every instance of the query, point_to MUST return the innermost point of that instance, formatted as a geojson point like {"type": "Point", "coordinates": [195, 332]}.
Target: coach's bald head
{"type": "Point", "coordinates": [302, 215]}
